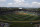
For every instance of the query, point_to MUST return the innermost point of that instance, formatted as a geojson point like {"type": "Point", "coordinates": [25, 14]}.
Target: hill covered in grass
{"type": "Point", "coordinates": [18, 17]}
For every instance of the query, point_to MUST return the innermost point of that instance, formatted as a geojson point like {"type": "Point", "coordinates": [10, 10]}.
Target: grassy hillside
{"type": "Point", "coordinates": [18, 17]}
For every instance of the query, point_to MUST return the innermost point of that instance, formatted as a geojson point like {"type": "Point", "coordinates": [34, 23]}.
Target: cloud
{"type": "Point", "coordinates": [9, 4]}
{"type": "Point", "coordinates": [21, 3]}
{"type": "Point", "coordinates": [35, 4]}
{"type": "Point", "coordinates": [2, 0]}
{"type": "Point", "coordinates": [18, 3]}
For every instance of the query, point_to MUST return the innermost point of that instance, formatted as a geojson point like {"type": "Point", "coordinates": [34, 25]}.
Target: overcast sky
{"type": "Point", "coordinates": [20, 3]}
